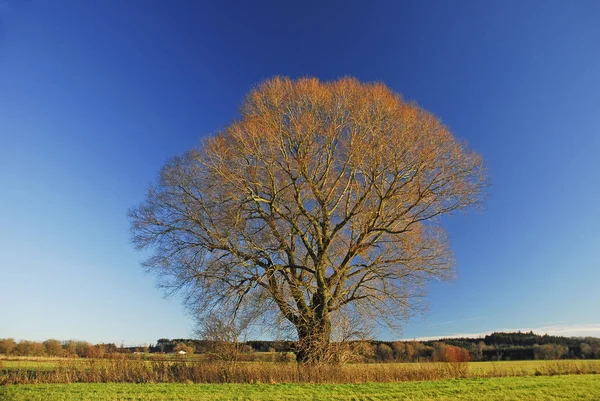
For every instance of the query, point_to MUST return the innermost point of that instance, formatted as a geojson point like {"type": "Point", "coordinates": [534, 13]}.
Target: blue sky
{"type": "Point", "coordinates": [95, 96]}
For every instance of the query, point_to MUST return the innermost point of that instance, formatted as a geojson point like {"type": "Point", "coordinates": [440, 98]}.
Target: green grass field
{"type": "Point", "coordinates": [42, 364]}
{"type": "Point", "coordinates": [572, 387]}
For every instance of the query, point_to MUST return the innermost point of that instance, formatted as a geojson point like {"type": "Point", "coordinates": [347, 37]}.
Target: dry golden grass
{"type": "Point", "coordinates": [120, 370]}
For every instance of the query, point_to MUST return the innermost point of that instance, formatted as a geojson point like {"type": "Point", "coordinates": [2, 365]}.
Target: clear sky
{"type": "Point", "coordinates": [96, 95]}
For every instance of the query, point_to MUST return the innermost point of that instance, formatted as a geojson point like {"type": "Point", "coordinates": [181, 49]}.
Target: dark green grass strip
{"type": "Point", "coordinates": [573, 387]}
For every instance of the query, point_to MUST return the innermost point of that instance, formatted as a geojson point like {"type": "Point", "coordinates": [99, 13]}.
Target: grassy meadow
{"type": "Point", "coordinates": [191, 379]}
{"type": "Point", "coordinates": [580, 387]}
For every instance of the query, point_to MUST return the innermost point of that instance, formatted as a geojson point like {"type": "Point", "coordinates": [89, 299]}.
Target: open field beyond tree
{"type": "Point", "coordinates": [582, 387]}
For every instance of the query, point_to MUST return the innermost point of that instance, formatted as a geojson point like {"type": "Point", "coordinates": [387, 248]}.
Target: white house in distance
{"type": "Point", "coordinates": [182, 352]}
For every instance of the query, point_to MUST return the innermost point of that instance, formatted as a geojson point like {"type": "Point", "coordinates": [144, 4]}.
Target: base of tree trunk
{"type": "Point", "coordinates": [313, 347]}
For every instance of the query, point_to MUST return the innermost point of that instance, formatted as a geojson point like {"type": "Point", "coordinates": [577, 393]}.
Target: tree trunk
{"type": "Point", "coordinates": [314, 341]}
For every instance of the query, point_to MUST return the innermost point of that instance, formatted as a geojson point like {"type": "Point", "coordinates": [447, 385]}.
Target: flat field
{"type": "Point", "coordinates": [570, 387]}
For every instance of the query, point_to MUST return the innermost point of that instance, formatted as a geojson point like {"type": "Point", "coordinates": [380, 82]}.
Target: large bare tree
{"type": "Point", "coordinates": [322, 200]}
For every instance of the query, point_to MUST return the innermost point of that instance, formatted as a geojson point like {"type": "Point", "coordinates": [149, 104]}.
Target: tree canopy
{"type": "Point", "coordinates": [320, 203]}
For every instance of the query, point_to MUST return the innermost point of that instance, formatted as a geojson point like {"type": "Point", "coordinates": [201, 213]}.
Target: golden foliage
{"type": "Point", "coordinates": [323, 198]}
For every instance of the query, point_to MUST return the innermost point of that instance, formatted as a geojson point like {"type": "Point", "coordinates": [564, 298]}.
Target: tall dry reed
{"type": "Point", "coordinates": [120, 370]}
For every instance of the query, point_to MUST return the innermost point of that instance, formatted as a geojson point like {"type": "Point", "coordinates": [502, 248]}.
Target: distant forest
{"type": "Point", "coordinates": [493, 347]}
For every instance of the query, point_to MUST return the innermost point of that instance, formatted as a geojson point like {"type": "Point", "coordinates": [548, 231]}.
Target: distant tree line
{"type": "Point", "coordinates": [493, 347]}
{"type": "Point", "coordinates": [69, 348]}
{"type": "Point", "coordinates": [523, 346]}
